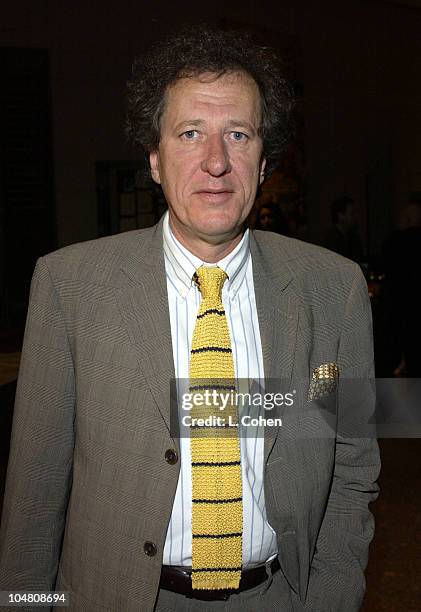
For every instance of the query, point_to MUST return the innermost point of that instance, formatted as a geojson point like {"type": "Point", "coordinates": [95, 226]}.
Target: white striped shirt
{"type": "Point", "coordinates": [259, 540]}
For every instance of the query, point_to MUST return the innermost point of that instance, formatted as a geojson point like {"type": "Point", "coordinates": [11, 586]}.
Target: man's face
{"type": "Point", "coordinates": [209, 159]}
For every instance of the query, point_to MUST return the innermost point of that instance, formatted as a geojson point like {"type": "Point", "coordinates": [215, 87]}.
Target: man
{"type": "Point", "coordinates": [103, 500]}
{"type": "Point", "coordinates": [343, 236]}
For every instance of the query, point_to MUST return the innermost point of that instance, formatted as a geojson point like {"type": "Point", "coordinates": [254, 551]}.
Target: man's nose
{"type": "Point", "coordinates": [216, 159]}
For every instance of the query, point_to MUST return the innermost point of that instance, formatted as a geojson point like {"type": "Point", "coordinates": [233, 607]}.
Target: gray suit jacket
{"type": "Point", "coordinates": [89, 492]}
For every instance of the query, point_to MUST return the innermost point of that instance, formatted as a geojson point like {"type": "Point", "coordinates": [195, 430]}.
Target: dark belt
{"type": "Point", "coordinates": [178, 580]}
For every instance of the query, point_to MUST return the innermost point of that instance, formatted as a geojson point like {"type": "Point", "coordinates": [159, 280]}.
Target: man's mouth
{"type": "Point", "coordinates": [215, 195]}
{"type": "Point", "coordinates": [215, 191]}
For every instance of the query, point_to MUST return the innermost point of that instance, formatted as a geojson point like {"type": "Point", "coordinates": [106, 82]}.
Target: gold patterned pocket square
{"type": "Point", "coordinates": [323, 381]}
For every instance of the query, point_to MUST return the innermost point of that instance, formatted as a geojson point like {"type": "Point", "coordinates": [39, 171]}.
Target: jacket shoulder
{"type": "Point", "coordinates": [300, 256]}
{"type": "Point", "coordinates": [97, 260]}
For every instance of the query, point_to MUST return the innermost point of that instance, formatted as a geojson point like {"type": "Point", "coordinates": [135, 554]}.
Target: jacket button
{"type": "Point", "coordinates": [150, 549]}
{"type": "Point", "coordinates": [171, 456]}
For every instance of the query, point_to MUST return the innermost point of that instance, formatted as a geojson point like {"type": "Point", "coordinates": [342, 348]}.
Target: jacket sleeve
{"type": "Point", "coordinates": [337, 570]}
{"type": "Point", "coordinates": [41, 452]}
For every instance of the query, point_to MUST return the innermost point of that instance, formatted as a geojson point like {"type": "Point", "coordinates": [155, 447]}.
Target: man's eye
{"type": "Point", "coordinates": [190, 134]}
{"type": "Point", "coordinates": [238, 136]}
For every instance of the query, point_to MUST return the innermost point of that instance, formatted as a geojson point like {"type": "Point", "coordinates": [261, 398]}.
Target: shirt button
{"type": "Point", "coordinates": [171, 456]}
{"type": "Point", "coordinates": [150, 549]}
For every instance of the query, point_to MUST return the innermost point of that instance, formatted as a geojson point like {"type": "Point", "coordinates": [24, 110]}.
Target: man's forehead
{"type": "Point", "coordinates": [234, 91]}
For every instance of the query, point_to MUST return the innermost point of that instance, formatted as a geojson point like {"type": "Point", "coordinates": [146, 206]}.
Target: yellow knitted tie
{"type": "Point", "coordinates": [217, 507]}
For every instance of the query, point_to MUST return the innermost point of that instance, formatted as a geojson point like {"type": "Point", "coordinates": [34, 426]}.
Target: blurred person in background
{"type": "Point", "coordinates": [401, 258]}
{"type": "Point", "coordinates": [343, 236]}
{"type": "Point", "coordinates": [271, 218]}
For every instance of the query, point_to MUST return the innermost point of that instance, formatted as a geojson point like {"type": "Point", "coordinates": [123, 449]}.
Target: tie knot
{"type": "Point", "coordinates": [210, 282]}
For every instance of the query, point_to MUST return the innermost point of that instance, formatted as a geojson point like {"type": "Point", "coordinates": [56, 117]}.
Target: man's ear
{"type": "Point", "coordinates": [154, 163]}
{"type": "Point", "coordinates": [262, 170]}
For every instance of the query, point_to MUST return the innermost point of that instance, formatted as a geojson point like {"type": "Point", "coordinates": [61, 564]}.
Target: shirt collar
{"type": "Point", "coordinates": [182, 264]}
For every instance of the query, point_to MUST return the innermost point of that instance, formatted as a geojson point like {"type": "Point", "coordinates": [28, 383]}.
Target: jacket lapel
{"type": "Point", "coordinates": [143, 302]}
{"type": "Point", "coordinates": [278, 319]}
{"type": "Point", "coordinates": [278, 313]}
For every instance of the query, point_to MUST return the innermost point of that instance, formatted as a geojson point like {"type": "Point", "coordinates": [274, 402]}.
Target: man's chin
{"type": "Point", "coordinates": [215, 222]}
{"type": "Point", "coordinates": [208, 228]}
{"type": "Point", "coordinates": [218, 233]}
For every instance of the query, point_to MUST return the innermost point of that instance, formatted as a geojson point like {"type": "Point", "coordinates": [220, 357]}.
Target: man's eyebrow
{"type": "Point", "coordinates": [241, 123]}
{"type": "Point", "coordinates": [238, 123]}
{"type": "Point", "coordinates": [194, 122]}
